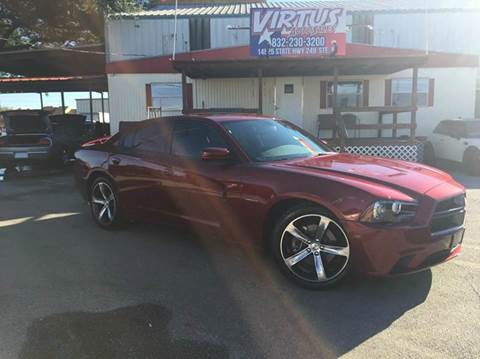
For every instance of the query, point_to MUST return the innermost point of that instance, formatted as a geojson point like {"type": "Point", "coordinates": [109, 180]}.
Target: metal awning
{"type": "Point", "coordinates": [78, 61]}
{"type": "Point", "coordinates": [54, 84]}
{"type": "Point", "coordinates": [269, 67]}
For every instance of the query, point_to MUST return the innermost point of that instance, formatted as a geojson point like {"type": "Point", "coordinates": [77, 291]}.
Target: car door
{"type": "Point", "coordinates": [452, 143]}
{"type": "Point", "coordinates": [439, 138]}
{"type": "Point", "coordinates": [140, 165]}
{"type": "Point", "coordinates": [198, 187]}
{"type": "Point", "coordinates": [152, 147]}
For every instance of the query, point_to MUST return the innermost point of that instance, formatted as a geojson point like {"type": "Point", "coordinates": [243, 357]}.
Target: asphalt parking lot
{"type": "Point", "coordinates": [71, 290]}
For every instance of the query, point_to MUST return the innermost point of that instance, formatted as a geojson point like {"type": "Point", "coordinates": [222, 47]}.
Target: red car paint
{"type": "Point", "coordinates": [243, 197]}
{"type": "Point", "coordinates": [96, 141]}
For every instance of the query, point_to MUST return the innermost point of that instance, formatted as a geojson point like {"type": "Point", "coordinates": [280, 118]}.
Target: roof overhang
{"type": "Point", "coordinates": [54, 84]}
{"type": "Point", "coordinates": [346, 66]}
{"type": "Point", "coordinates": [78, 61]}
{"type": "Point", "coordinates": [386, 59]}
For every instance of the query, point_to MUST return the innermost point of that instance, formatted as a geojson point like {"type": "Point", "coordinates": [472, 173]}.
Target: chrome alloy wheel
{"type": "Point", "coordinates": [103, 203]}
{"type": "Point", "coordinates": [315, 248]}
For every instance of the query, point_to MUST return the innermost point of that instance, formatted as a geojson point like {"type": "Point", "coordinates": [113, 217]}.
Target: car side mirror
{"type": "Point", "coordinates": [215, 154]}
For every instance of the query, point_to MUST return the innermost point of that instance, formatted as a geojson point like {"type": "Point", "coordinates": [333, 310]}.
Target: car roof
{"type": "Point", "coordinates": [231, 117]}
{"type": "Point", "coordinates": [200, 116]}
{"type": "Point", "coordinates": [13, 112]}
{"type": "Point", "coordinates": [465, 120]}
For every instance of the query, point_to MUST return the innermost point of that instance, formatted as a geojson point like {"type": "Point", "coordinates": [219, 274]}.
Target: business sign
{"type": "Point", "coordinates": [297, 32]}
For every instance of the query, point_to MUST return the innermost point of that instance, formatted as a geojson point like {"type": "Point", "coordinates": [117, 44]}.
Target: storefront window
{"type": "Point", "coordinates": [402, 92]}
{"type": "Point", "coordinates": [167, 97]}
{"type": "Point", "coordinates": [349, 94]}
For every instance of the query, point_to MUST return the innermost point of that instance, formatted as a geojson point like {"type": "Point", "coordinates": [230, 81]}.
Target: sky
{"type": "Point", "coordinates": [32, 100]}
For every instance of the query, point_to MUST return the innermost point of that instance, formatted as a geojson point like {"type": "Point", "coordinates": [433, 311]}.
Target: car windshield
{"type": "Point", "coordinates": [29, 123]}
{"type": "Point", "coordinates": [473, 129]}
{"type": "Point", "coordinates": [271, 140]}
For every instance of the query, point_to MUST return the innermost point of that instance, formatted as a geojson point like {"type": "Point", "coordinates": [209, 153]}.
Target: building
{"type": "Point", "coordinates": [100, 114]}
{"type": "Point", "coordinates": [144, 81]}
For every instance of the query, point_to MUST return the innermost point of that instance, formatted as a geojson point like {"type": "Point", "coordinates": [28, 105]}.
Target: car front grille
{"type": "Point", "coordinates": [449, 214]}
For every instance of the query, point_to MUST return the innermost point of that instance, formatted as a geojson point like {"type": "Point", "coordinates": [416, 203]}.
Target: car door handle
{"type": "Point", "coordinates": [116, 160]}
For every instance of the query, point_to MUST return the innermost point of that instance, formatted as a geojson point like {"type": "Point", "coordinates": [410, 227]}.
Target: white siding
{"type": "Point", "coordinates": [454, 97]}
{"type": "Point", "coordinates": [220, 36]}
{"type": "Point", "coordinates": [128, 95]}
{"type": "Point", "coordinates": [447, 31]}
{"type": "Point", "coordinates": [83, 105]}
{"type": "Point", "coordinates": [225, 93]}
{"type": "Point", "coordinates": [132, 39]}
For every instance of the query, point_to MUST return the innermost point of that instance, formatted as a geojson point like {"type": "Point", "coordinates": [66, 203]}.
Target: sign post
{"type": "Point", "coordinates": [278, 32]}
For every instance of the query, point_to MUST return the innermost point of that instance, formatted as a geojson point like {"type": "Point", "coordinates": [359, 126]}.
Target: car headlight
{"type": "Point", "coordinates": [389, 212]}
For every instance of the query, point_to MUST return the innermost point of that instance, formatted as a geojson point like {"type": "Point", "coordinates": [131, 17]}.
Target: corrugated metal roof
{"type": "Point", "coordinates": [350, 5]}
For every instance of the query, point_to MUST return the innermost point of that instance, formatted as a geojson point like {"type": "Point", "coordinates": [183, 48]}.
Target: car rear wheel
{"type": "Point", "coordinates": [104, 204]}
{"type": "Point", "coordinates": [311, 247]}
{"type": "Point", "coordinates": [471, 161]}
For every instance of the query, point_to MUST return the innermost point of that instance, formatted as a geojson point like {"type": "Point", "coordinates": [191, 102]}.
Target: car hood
{"type": "Point", "coordinates": [408, 176]}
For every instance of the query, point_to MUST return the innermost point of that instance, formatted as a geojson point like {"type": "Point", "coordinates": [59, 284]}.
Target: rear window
{"type": "Point", "coordinates": [27, 124]}
{"type": "Point", "coordinates": [473, 129]}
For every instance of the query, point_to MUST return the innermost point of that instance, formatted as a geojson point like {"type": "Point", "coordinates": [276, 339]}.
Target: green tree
{"type": "Point", "coordinates": [52, 22]}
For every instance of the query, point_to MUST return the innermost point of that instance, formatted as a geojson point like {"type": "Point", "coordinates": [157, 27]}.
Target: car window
{"type": "Point", "coordinates": [128, 140]}
{"type": "Point", "coordinates": [448, 128]}
{"type": "Point", "coordinates": [453, 129]}
{"type": "Point", "coordinates": [271, 140]}
{"type": "Point", "coordinates": [461, 130]}
{"type": "Point", "coordinates": [442, 128]}
{"type": "Point", "coordinates": [191, 137]}
{"type": "Point", "coordinates": [152, 138]}
{"type": "Point", "coordinates": [473, 129]}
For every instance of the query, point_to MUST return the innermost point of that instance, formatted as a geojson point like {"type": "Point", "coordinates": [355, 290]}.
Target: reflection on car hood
{"type": "Point", "coordinates": [405, 175]}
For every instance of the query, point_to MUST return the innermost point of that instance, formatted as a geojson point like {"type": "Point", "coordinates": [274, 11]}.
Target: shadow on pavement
{"type": "Point", "coordinates": [131, 332]}
{"type": "Point", "coordinates": [352, 313]}
{"type": "Point", "coordinates": [227, 299]}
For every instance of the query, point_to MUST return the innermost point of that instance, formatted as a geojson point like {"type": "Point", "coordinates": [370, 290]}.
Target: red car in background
{"type": "Point", "coordinates": [322, 213]}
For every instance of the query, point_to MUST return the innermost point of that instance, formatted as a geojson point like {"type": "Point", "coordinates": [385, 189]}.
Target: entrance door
{"type": "Point", "coordinates": [288, 101]}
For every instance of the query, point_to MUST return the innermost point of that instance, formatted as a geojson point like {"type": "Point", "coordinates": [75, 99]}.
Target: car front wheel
{"type": "Point", "coordinates": [311, 247]}
{"type": "Point", "coordinates": [104, 204]}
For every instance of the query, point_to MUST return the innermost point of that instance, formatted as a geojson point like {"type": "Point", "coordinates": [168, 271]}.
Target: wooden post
{"type": "Point", "coordinates": [394, 130]}
{"type": "Point", "coordinates": [380, 121]}
{"type": "Point", "coordinates": [63, 102]}
{"type": "Point", "coordinates": [336, 113]}
{"type": "Point", "coordinates": [91, 106]}
{"type": "Point", "coordinates": [413, 117]}
{"type": "Point", "coordinates": [103, 107]}
{"type": "Point", "coordinates": [41, 101]}
{"type": "Point", "coordinates": [260, 92]}
{"type": "Point", "coordinates": [184, 93]}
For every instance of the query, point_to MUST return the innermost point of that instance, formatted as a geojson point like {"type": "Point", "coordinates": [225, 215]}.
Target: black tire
{"type": "Point", "coordinates": [60, 159]}
{"type": "Point", "coordinates": [471, 161]}
{"type": "Point", "coordinates": [318, 268]}
{"type": "Point", "coordinates": [429, 157]}
{"type": "Point", "coordinates": [107, 215]}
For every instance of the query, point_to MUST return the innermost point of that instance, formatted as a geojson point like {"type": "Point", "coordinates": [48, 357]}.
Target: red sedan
{"type": "Point", "coordinates": [322, 213]}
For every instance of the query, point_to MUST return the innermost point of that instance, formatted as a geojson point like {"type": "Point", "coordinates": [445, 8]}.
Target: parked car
{"type": "Point", "coordinates": [27, 138]}
{"type": "Point", "coordinates": [69, 133]}
{"type": "Point", "coordinates": [322, 213]}
{"type": "Point", "coordinates": [458, 141]}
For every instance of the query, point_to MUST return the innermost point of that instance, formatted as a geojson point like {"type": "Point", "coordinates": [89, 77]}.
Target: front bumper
{"type": "Point", "coordinates": [384, 251]}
